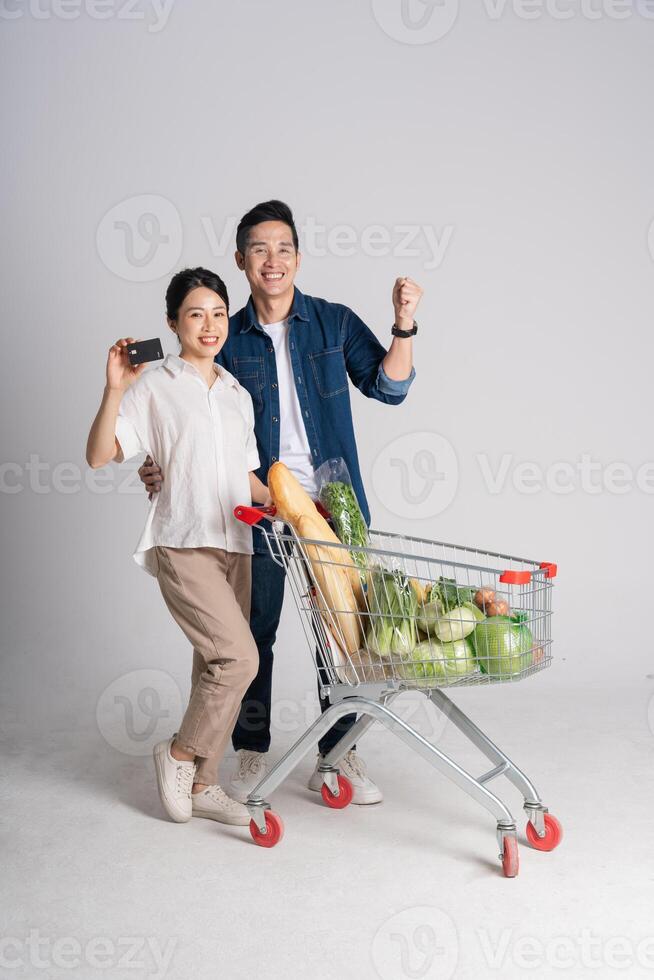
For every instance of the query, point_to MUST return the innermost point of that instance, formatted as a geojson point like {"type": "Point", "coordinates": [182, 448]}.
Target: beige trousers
{"type": "Point", "coordinates": [207, 591]}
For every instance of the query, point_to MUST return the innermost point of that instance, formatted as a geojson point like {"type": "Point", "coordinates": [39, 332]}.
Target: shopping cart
{"type": "Point", "coordinates": [406, 614]}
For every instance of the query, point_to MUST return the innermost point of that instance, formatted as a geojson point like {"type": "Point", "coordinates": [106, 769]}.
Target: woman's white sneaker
{"type": "Point", "coordinates": [251, 767]}
{"type": "Point", "coordinates": [352, 766]}
{"type": "Point", "coordinates": [214, 803]}
{"type": "Point", "coordinates": [174, 781]}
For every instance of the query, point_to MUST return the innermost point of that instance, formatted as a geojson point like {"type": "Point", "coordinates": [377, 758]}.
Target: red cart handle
{"type": "Point", "coordinates": [252, 515]}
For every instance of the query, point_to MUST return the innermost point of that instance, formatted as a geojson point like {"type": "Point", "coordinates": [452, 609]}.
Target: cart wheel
{"type": "Point", "coordinates": [510, 857]}
{"type": "Point", "coordinates": [345, 794]}
{"type": "Point", "coordinates": [553, 834]}
{"type": "Point", "coordinates": [273, 833]}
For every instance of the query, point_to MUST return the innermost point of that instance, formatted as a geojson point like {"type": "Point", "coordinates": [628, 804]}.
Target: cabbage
{"type": "Point", "coordinates": [475, 610]}
{"type": "Point", "coordinates": [431, 662]}
{"type": "Point", "coordinates": [455, 625]}
{"type": "Point", "coordinates": [503, 646]}
{"type": "Point", "coordinates": [428, 616]}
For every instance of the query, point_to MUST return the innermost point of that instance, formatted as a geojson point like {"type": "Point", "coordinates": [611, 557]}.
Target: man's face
{"type": "Point", "coordinates": [270, 261]}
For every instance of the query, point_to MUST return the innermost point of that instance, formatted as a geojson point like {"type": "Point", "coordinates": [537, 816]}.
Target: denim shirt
{"type": "Point", "coordinates": [328, 343]}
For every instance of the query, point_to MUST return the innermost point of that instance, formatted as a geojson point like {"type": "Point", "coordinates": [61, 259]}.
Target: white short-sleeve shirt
{"type": "Point", "coordinates": [203, 440]}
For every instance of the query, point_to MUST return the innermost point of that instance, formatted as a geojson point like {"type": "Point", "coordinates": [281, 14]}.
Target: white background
{"type": "Point", "coordinates": [522, 140]}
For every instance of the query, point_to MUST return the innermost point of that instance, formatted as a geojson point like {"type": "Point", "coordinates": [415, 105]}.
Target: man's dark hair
{"type": "Point", "coordinates": [266, 211]}
{"type": "Point", "coordinates": [183, 282]}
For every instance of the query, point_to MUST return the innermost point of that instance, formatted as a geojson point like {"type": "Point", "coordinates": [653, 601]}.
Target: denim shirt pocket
{"type": "Point", "coordinates": [328, 368]}
{"type": "Point", "coordinates": [248, 371]}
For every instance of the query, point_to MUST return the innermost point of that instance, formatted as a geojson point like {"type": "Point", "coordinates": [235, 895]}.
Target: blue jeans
{"type": "Point", "coordinates": [252, 729]}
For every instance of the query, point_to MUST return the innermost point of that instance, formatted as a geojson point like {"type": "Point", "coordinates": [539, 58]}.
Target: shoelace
{"type": "Point", "coordinates": [355, 764]}
{"type": "Point", "coordinates": [219, 796]}
{"type": "Point", "coordinates": [185, 776]}
{"type": "Point", "coordinates": [250, 763]}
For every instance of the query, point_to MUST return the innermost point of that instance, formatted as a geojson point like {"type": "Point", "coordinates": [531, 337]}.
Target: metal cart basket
{"type": "Point", "coordinates": [405, 614]}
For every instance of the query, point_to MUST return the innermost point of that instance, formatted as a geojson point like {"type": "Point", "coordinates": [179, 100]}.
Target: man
{"type": "Point", "coordinates": [294, 354]}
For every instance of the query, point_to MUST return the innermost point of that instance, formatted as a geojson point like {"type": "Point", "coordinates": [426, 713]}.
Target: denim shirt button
{"type": "Point", "coordinates": [270, 350]}
{"type": "Point", "coordinates": [274, 384]}
{"type": "Point", "coordinates": [274, 418]}
{"type": "Point", "coordinates": [274, 459]}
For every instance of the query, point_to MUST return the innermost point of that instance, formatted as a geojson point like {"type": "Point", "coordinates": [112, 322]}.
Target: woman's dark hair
{"type": "Point", "coordinates": [267, 211]}
{"type": "Point", "coordinates": [183, 282]}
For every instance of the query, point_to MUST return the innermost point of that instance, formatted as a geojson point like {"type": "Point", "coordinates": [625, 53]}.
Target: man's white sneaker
{"type": "Point", "coordinates": [214, 803]}
{"type": "Point", "coordinates": [251, 767]}
{"type": "Point", "coordinates": [352, 766]}
{"type": "Point", "coordinates": [174, 781]}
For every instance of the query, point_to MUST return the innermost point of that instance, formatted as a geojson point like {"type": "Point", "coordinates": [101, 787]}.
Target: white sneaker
{"type": "Point", "coordinates": [352, 766]}
{"type": "Point", "coordinates": [214, 803]}
{"type": "Point", "coordinates": [174, 781]}
{"type": "Point", "coordinates": [251, 767]}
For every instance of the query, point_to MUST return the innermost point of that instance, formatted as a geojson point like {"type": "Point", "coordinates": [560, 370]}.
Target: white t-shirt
{"type": "Point", "coordinates": [203, 440]}
{"type": "Point", "coordinates": [294, 449]}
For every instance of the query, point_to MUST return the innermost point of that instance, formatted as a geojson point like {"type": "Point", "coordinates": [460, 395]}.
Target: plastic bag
{"type": "Point", "coordinates": [337, 496]}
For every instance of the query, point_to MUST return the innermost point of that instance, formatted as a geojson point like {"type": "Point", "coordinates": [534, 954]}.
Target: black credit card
{"type": "Point", "coordinates": [145, 350]}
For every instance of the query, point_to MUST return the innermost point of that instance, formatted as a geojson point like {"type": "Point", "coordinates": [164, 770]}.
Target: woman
{"type": "Point", "coordinates": [197, 422]}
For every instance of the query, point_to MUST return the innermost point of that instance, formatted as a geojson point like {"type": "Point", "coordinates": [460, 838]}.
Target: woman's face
{"type": "Point", "coordinates": [202, 323]}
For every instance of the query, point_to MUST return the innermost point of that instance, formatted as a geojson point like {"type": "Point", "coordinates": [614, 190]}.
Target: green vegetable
{"type": "Point", "coordinates": [431, 662]}
{"type": "Point", "coordinates": [341, 502]}
{"type": "Point", "coordinates": [503, 645]}
{"type": "Point", "coordinates": [457, 624]}
{"type": "Point", "coordinates": [450, 594]}
{"type": "Point", "coordinates": [475, 610]}
{"type": "Point", "coordinates": [393, 607]}
{"type": "Point", "coordinates": [429, 615]}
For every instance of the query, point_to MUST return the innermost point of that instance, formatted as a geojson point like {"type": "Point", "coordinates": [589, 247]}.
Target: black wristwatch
{"type": "Point", "coordinates": [405, 333]}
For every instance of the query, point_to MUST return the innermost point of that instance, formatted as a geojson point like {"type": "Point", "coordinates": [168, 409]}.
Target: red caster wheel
{"type": "Point", "coordinates": [510, 858]}
{"type": "Point", "coordinates": [553, 834]}
{"type": "Point", "coordinates": [345, 793]}
{"type": "Point", "coordinates": [274, 830]}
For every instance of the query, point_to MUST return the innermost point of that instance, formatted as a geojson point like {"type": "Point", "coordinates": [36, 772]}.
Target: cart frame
{"type": "Point", "coordinates": [372, 702]}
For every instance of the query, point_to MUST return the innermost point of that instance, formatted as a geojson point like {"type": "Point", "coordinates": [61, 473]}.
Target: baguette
{"type": "Point", "coordinates": [337, 579]}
